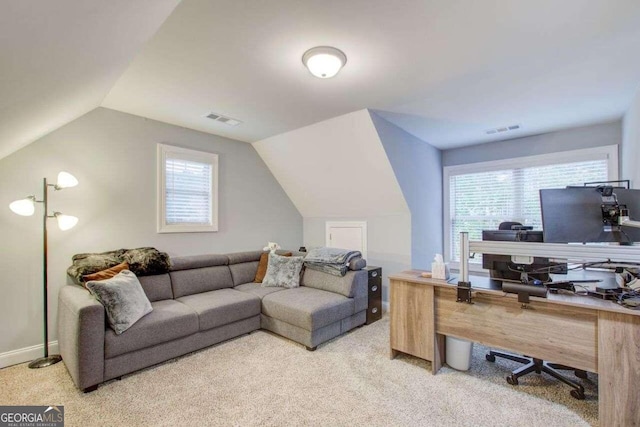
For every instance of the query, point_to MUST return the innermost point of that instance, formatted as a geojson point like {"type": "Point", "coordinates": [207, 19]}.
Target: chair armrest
{"type": "Point", "coordinates": [81, 327]}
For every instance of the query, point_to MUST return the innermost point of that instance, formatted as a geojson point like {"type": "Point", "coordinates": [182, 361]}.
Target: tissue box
{"type": "Point", "coordinates": [439, 270]}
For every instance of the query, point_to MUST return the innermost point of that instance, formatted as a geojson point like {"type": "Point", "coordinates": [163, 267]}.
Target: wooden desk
{"type": "Point", "coordinates": [581, 332]}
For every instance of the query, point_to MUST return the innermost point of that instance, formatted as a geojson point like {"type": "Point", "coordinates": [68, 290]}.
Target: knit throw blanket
{"type": "Point", "coordinates": [331, 260]}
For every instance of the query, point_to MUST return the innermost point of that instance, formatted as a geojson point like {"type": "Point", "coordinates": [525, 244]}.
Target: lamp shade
{"type": "Point", "coordinates": [66, 222]}
{"type": "Point", "coordinates": [324, 61]}
{"type": "Point", "coordinates": [66, 180]}
{"type": "Point", "coordinates": [24, 207]}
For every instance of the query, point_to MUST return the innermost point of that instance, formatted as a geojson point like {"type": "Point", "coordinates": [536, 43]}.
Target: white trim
{"type": "Point", "coordinates": [26, 354]}
{"type": "Point", "coordinates": [347, 224]}
{"type": "Point", "coordinates": [609, 152]}
{"type": "Point", "coordinates": [196, 156]}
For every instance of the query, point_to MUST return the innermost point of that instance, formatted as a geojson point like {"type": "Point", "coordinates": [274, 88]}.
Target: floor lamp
{"type": "Point", "coordinates": [26, 207]}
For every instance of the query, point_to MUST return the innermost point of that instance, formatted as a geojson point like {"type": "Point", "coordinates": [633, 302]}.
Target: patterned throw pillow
{"type": "Point", "coordinates": [283, 271]}
{"type": "Point", "coordinates": [262, 266]}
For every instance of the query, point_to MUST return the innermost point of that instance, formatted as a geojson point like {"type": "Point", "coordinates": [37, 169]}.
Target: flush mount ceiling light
{"type": "Point", "coordinates": [324, 61]}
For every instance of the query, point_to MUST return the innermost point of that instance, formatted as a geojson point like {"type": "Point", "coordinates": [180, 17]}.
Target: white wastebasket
{"type": "Point", "coordinates": [459, 353]}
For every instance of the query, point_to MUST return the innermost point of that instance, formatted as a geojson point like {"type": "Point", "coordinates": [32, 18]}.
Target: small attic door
{"type": "Point", "coordinates": [347, 235]}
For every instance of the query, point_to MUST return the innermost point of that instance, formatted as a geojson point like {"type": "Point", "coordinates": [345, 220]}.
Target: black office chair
{"type": "Point", "coordinates": [531, 364]}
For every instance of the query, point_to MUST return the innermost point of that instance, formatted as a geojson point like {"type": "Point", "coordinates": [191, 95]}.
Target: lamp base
{"type": "Point", "coordinates": [43, 362]}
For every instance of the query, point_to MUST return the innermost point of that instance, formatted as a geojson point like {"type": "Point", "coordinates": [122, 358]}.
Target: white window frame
{"type": "Point", "coordinates": [171, 151]}
{"type": "Point", "coordinates": [609, 152]}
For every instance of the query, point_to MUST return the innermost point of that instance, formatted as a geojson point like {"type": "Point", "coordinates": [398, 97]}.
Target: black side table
{"type": "Point", "coordinates": [374, 312]}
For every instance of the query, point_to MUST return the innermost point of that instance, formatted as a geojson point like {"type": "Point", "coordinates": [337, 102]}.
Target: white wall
{"type": "Point", "coordinates": [338, 170]}
{"type": "Point", "coordinates": [114, 157]}
{"type": "Point", "coordinates": [335, 167]}
{"type": "Point", "coordinates": [630, 155]}
{"type": "Point", "coordinates": [388, 241]}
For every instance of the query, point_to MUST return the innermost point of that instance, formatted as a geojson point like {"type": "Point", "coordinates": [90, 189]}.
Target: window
{"type": "Point", "coordinates": [187, 190]}
{"type": "Point", "coordinates": [480, 196]}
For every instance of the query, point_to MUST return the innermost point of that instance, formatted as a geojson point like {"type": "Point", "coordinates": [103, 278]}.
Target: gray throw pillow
{"type": "Point", "coordinates": [283, 271]}
{"type": "Point", "coordinates": [123, 298]}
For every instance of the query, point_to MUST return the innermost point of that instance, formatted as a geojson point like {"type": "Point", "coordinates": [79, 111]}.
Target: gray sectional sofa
{"type": "Point", "coordinates": [202, 301]}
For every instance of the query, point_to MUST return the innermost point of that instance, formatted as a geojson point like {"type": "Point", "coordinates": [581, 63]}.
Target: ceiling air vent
{"type": "Point", "coordinates": [502, 129]}
{"type": "Point", "coordinates": [223, 119]}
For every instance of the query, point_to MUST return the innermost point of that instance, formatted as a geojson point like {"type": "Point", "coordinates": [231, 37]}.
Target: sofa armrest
{"type": "Point", "coordinates": [352, 285]}
{"type": "Point", "coordinates": [81, 327]}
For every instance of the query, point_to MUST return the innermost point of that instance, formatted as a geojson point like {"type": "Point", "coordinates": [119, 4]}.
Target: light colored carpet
{"type": "Point", "coordinates": [262, 379]}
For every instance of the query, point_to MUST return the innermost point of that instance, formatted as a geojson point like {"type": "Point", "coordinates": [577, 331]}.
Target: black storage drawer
{"type": "Point", "coordinates": [374, 311]}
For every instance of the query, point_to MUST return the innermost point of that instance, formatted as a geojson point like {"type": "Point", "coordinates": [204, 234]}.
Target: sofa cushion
{"type": "Point", "coordinates": [221, 307]}
{"type": "Point", "coordinates": [198, 261]}
{"type": "Point", "coordinates": [307, 308]}
{"type": "Point", "coordinates": [169, 320]}
{"type": "Point", "coordinates": [243, 272]}
{"type": "Point", "coordinates": [240, 257]}
{"type": "Point", "coordinates": [257, 290]}
{"type": "Point", "coordinates": [344, 285]}
{"type": "Point", "coordinates": [198, 280]}
{"type": "Point", "coordinates": [157, 287]}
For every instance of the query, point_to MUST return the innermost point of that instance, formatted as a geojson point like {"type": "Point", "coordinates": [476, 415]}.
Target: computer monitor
{"type": "Point", "coordinates": [575, 215]}
{"type": "Point", "coordinates": [504, 268]}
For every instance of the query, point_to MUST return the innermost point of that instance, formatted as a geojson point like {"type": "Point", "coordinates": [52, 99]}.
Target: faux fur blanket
{"type": "Point", "coordinates": [142, 262]}
{"type": "Point", "coordinates": [332, 260]}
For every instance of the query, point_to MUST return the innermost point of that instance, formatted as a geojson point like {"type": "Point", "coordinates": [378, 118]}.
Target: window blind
{"type": "Point", "coordinates": [187, 192]}
{"type": "Point", "coordinates": [481, 201]}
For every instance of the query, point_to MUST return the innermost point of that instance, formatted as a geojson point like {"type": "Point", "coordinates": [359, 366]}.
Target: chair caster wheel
{"type": "Point", "coordinates": [580, 374]}
{"type": "Point", "coordinates": [577, 394]}
{"type": "Point", "coordinates": [511, 379]}
{"type": "Point", "coordinates": [490, 358]}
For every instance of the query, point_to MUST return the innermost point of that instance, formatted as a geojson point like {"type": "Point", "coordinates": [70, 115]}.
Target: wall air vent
{"type": "Point", "coordinates": [502, 129]}
{"type": "Point", "coordinates": [223, 119]}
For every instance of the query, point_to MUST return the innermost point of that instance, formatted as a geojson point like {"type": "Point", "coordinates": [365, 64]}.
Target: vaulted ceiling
{"type": "Point", "coordinates": [59, 59]}
{"type": "Point", "coordinates": [444, 70]}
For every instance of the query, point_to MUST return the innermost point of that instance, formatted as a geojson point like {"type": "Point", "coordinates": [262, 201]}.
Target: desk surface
{"type": "Point", "coordinates": [482, 284]}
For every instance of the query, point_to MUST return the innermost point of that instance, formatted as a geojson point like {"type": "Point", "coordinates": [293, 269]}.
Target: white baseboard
{"type": "Point", "coordinates": [26, 354]}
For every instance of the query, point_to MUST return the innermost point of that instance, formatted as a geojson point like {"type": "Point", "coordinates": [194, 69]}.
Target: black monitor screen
{"type": "Point", "coordinates": [574, 215]}
{"type": "Point", "coordinates": [502, 267]}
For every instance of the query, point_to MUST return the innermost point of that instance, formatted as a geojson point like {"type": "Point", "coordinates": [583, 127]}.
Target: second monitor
{"type": "Point", "coordinates": [505, 268]}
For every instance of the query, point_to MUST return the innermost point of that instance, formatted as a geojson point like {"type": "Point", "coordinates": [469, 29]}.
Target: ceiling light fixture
{"type": "Point", "coordinates": [324, 61]}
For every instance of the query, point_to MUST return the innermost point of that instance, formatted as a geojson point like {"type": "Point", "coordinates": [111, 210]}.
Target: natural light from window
{"type": "Point", "coordinates": [482, 200]}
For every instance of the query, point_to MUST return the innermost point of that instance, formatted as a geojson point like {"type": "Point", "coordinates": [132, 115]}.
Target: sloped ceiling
{"type": "Point", "coordinates": [444, 70]}
{"type": "Point", "coordinates": [337, 167]}
{"type": "Point", "coordinates": [60, 58]}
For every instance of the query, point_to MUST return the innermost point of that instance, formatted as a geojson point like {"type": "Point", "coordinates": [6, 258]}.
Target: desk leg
{"type": "Point", "coordinates": [393, 353]}
{"type": "Point", "coordinates": [438, 353]}
{"type": "Point", "coordinates": [618, 369]}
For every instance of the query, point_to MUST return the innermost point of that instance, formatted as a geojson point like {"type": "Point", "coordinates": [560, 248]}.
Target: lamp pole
{"type": "Point", "coordinates": [55, 358]}
{"type": "Point", "coordinates": [26, 207]}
